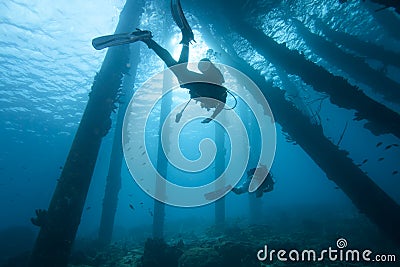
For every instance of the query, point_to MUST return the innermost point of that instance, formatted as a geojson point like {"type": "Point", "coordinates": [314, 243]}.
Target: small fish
{"type": "Point", "coordinates": [359, 165]}
{"type": "Point", "coordinates": [379, 144]}
{"type": "Point", "coordinates": [131, 206]}
{"type": "Point", "coordinates": [387, 147]}
{"type": "Point", "coordinates": [395, 145]}
{"type": "Point", "coordinates": [337, 187]}
{"type": "Point", "coordinates": [88, 208]}
{"type": "Point", "coordinates": [130, 195]}
{"type": "Point", "coordinates": [143, 153]}
{"type": "Point", "coordinates": [151, 213]}
{"type": "Point", "coordinates": [395, 172]}
{"type": "Point", "coordinates": [61, 167]}
{"type": "Point", "coordinates": [364, 161]}
{"type": "Point", "coordinates": [380, 159]}
{"type": "Point", "coordinates": [144, 164]}
{"type": "Point", "coordinates": [140, 147]}
{"type": "Point", "coordinates": [141, 203]}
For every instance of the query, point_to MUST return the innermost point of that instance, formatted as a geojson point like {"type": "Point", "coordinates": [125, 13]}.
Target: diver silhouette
{"type": "Point", "coordinates": [205, 87]}
{"type": "Point", "coordinates": [267, 184]}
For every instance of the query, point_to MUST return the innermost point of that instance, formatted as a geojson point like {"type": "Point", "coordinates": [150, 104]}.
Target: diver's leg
{"type": "Point", "coordinates": [184, 57]}
{"type": "Point", "coordinates": [178, 70]}
{"type": "Point", "coordinates": [161, 52]}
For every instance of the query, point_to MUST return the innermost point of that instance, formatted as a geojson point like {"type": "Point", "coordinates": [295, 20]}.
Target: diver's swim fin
{"type": "Point", "coordinates": [120, 39]}
{"type": "Point", "coordinates": [180, 20]}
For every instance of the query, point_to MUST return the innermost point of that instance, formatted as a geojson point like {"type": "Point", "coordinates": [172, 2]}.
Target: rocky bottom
{"type": "Point", "coordinates": [238, 247]}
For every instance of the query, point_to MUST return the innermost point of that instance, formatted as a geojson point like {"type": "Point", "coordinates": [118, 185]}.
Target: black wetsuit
{"type": "Point", "coordinates": [209, 86]}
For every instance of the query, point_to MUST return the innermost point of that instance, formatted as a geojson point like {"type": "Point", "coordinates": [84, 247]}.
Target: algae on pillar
{"type": "Point", "coordinates": [60, 224]}
{"type": "Point", "coordinates": [368, 197]}
{"type": "Point", "coordinates": [354, 66]}
{"type": "Point", "coordinates": [365, 49]}
{"type": "Point", "coordinates": [113, 182]}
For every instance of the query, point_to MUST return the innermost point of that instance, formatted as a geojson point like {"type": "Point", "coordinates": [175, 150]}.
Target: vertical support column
{"type": "Point", "coordinates": [113, 183]}
{"type": "Point", "coordinates": [219, 169]}
{"type": "Point", "coordinates": [162, 162]}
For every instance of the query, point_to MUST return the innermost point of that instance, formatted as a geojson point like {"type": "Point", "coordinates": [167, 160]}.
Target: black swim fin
{"type": "Point", "coordinates": [120, 39]}
{"type": "Point", "coordinates": [180, 20]}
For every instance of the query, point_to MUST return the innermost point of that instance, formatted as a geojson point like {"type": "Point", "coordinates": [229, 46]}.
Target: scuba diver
{"type": "Point", "coordinates": [205, 87]}
{"type": "Point", "coordinates": [266, 186]}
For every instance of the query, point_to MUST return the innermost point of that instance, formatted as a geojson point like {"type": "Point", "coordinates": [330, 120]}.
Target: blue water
{"type": "Point", "coordinates": [47, 66]}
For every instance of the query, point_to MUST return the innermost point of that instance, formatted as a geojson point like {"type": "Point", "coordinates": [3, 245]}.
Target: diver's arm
{"type": "Point", "coordinates": [217, 110]}
{"type": "Point", "coordinates": [243, 188]}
